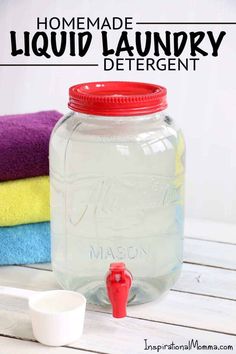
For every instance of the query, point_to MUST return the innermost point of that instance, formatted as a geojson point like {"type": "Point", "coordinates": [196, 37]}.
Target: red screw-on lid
{"type": "Point", "coordinates": [117, 98]}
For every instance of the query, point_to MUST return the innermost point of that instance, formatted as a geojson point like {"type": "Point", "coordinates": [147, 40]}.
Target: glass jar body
{"type": "Point", "coordinates": [117, 196]}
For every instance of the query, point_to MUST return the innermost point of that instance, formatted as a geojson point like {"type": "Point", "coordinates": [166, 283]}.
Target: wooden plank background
{"type": "Point", "coordinates": [202, 305]}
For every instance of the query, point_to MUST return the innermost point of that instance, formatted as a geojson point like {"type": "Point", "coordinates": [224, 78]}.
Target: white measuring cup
{"type": "Point", "coordinates": [57, 316]}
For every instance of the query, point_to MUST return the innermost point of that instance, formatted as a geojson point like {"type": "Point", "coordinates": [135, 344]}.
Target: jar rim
{"type": "Point", "coordinates": [117, 98]}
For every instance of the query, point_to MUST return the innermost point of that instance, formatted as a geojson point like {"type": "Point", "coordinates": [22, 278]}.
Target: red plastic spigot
{"type": "Point", "coordinates": [118, 283]}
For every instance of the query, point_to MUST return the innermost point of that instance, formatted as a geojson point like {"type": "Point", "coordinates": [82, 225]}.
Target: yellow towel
{"type": "Point", "coordinates": [179, 161]}
{"type": "Point", "coordinates": [179, 167]}
{"type": "Point", "coordinates": [24, 201]}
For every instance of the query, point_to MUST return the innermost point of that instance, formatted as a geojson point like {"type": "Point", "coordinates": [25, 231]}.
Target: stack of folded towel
{"type": "Point", "coordinates": [24, 187]}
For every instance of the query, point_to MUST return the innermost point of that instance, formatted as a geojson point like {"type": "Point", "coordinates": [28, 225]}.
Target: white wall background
{"type": "Point", "coordinates": [202, 102]}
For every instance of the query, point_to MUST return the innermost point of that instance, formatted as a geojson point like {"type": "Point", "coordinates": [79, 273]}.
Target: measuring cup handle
{"type": "Point", "coordinates": [16, 292]}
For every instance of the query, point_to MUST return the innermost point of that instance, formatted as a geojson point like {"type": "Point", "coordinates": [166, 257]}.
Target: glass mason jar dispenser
{"type": "Point", "coordinates": [117, 174]}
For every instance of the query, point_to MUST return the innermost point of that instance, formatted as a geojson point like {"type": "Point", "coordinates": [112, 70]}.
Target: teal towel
{"type": "Point", "coordinates": [22, 244]}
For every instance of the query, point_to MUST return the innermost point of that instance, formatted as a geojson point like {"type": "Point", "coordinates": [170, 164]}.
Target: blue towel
{"type": "Point", "coordinates": [22, 244]}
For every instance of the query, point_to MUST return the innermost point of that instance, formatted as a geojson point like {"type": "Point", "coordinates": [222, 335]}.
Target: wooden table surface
{"type": "Point", "coordinates": [201, 306]}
